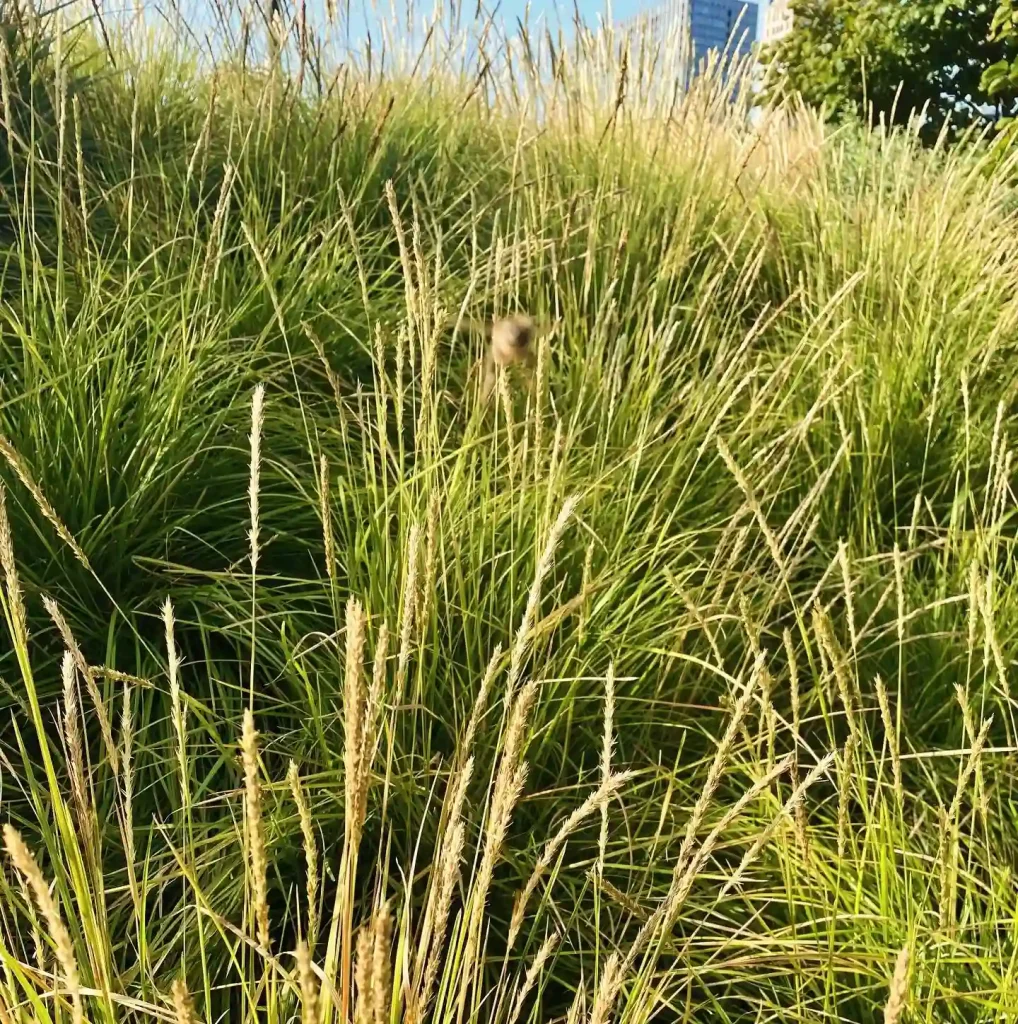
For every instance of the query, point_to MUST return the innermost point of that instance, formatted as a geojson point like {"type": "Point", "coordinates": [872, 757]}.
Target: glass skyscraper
{"type": "Point", "coordinates": [728, 26]}
{"type": "Point", "coordinates": [723, 25]}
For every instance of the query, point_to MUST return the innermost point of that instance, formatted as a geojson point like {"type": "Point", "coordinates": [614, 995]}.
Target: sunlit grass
{"type": "Point", "coordinates": [676, 687]}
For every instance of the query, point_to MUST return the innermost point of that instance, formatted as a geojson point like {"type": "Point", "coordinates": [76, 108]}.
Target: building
{"type": "Point", "coordinates": [777, 21]}
{"type": "Point", "coordinates": [659, 21]}
{"type": "Point", "coordinates": [728, 26]}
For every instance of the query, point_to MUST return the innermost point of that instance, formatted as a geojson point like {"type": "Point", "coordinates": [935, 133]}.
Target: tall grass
{"type": "Point", "coordinates": [677, 687]}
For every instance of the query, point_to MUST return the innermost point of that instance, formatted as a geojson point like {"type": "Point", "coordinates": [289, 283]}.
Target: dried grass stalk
{"type": "Point", "coordinates": [544, 563]}
{"type": "Point", "coordinates": [891, 732]}
{"type": "Point", "coordinates": [898, 993]}
{"type": "Point", "coordinates": [21, 471]}
{"type": "Point", "coordinates": [15, 600]}
{"type": "Point", "coordinates": [178, 713]}
{"type": "Point", "coordinates": [970, 731]}
{"type": "Point", "coordinates": [616, 895]}
{"type": "Point", "coordinates": [381, 967]}
{"type": "Point", "coordinates": [409, 604]}
{"type": "Point", "coordinates": [754, 505]}
{"type": "Point", "coordinates": [846, 582]}
{"type": "Point", "coordinates": [715, 772]}
{"type": "Point", "coordinates": [682, 873]}
{"type": "Point", "coordinates": [53, 609]}
{"type": "Point", "coordinates": [308, 985]}
{"type": "Point", "coordinates": [127, 781]}
{"type": "Point", "coordinates": [824, 630]}
{"type": "Point", "coordinates": [846, 773]}
{"type": "Point", "coordinates": [183, 1005]}
{"type": "Point", "coordinates": [255, 829]}
{"type": "Point", "coordinates": [796, 798]}
{"type": "Point", "coordinates": [254, 480]}
{"type": "Point", "coordinates": [606, 761]}
{"type": "Point", "coordinates": [213, 251]}
{"type": "Point", "coordinates": [607, 989]}
{"type": "Point", "coordinates": [533, 973]}
{"type": "Point", "coordinates": [362, 965]}
{"type": "Point", "coordinates": [506, 792]}
{"type": "Point", "coordinates": [446, 878]}
{"type": "Point", "coordinates": [801, 831]}
{"type": "Point", "coordinates": [597, 800]}
{"type": "Point", "coordinates": [325, 509]}
{"type": "Point", "coordinates": [354, 702]}
{"type": "Point", "coordinates": [480, 704]}
{"type": "Point", "coordinates": [899, 589]}
{"type": "Point", "coordinates": [24, 860]}
{"type": "Point", "coordinates": [310, 850]}
{"type": "Point", "coordinates": [72, 738]}
{"type": "Point", "coordinates": [373, 711]}
{"type": "Point", "coordinates": [426, 590]}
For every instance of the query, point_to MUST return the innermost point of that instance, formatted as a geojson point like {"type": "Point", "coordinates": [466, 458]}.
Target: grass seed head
{"type": "Point", "coordinates": [24, 860]}
{"type": "Point", "coordinates": [255, 828]}
{"type": "Point", "coordinates": [183, 1004]}
{"type": "Point", "coordinates": [308, 985]}
{"type": "Point", "coordinates": [898, 993]}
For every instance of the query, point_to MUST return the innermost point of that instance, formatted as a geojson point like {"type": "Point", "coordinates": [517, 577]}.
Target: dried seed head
{"type": "Point", "coordinates": [178, 712]}
{"type": "Point", "coordinates": [381, 969]}
{"type": "Point", "coordinates": [607, 989]}
{"type": "Point", "coordinates": [519, 722]}
{"type": "Point", "coordinates": [354, 708]}
{"type": "Point", "coordinates": [72, 737]}
{"type": "Point", "coordinates": [801, 833]}
{"type": "Point", "coordinates": [8, 451]}
{"type": "Point", "coordinates": [899, 989]}
{"type": "Point", "coordinates": [255, 833]}
{"type": "Point", "coordinates": [88, 675]}
{"type": "Point", "coordinates": [409, 604]}
{"type": "Point", "coordinates": [10, 570]}
{"type": "Point", "coordinates": [506, 792]}
{"type": "Point", "coordinates": [325, 510]}
{"type": "Point", "coordinates": [846, 774]}
{"type": "Point", "coordinates": [448, 878]}
{"type": "Point", "coordinates": [764, 836]}
{"type": "Point", "coordinates": [480, 703]}
{"type": "Point", "coordinates": [310, 848]}
{"type": "Point", "coordinates": [544, 563]}
{"type": "Point", "coordinates": [596, 801]}
{"type": "Point", "coordinates": [24, 860]}
{"type": "Point", "coordinates": [257, 421]}
{"type": "Point", "coordinates": [183, 1005]}
{"type": "Point", "coordinates": [373, 711]}
{"type": "Point", "coordinates": [308, 985]}
{"type": "Point", "coordinates": [824, 630]}
{"type": "Point", "coordinates": [362, 967]}
{"type": "Point", "coordinates": [891, 732]}
{"type": "Point", "coordinates": [127, 775]}
{"type": "Point", "coordinates": [754, 505]}
{"type": "Point", "coordinates": [533, 973]}
{"type": "Point", "coordinates": [606, 760]}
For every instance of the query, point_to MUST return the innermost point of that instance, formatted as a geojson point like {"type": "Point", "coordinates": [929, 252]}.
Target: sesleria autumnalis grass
{"type": "Point", "coordinates": [677, 688]}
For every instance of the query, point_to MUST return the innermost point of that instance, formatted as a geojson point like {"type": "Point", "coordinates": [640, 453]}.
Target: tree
{"type": "Point", "coordinates": [880, 60]}
{"type": "Point", "coordinates": [1000, 79]}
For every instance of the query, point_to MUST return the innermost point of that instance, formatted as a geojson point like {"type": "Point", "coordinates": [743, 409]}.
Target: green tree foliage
{"type": "Point", "coordinates": [1000, 79]}
{"type": "Point", "coordinates": [880, 60]}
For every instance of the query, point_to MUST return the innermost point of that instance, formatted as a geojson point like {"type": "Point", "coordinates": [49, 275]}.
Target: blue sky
{"type": "Point", "coordinates": [365, 13]}
{"type": "Point", "coordinates": [510, 10]}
